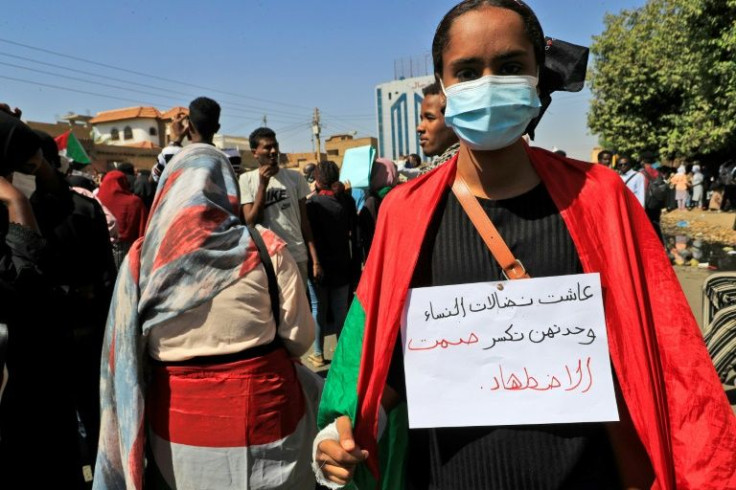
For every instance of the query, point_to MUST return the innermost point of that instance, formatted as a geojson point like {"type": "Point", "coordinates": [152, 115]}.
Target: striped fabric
{"type": "Point", "coordinates": [170, 152]}
{"type": "Point", "coordinates": [163, 159]}
{"type": "Point", "coordinates": [719, 291]}
{"type": "Point", "coordinates": [194, 247]}
{"type": "Point", "coordinates": [720, 338]}
{"type": "Point", "coordinates": [244, 421]}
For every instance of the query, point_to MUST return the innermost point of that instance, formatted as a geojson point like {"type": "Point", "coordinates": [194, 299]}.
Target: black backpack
{"type": "Point", "coordinates": [657, 191]}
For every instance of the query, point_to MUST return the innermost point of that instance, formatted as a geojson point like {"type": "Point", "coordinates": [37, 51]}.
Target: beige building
{"type": "Point", "coordinates": [299, 160]}
{"type": "Point", "coordinates": [338, 144]}
{"type": "Point", "coordinates": [594, 154]}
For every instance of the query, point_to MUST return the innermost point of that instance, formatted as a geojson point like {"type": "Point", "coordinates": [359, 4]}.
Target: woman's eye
{"type": "Point", "coordinates": [511, 69]}
{"type": "Point", "coordinates": [466, 74]}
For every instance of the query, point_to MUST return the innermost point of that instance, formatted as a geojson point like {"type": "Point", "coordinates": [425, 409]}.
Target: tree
{"type": "Point", "coordinates": [664, 78]}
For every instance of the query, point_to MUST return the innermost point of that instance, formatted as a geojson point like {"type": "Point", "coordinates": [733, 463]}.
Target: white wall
{"type": "Point", "coordinates": [397, 116]}
{"type": "Point", "coordinates": [140, 129]}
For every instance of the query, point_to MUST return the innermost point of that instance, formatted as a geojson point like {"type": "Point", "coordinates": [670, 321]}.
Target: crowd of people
{"type": "Point", "coordinates": [690, 186]}
{"type": "Point", "coordinates": [151, 327]}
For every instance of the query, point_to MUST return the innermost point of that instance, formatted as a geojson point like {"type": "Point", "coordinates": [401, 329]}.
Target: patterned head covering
{"type": "Point", "coordinates": [195, 246]}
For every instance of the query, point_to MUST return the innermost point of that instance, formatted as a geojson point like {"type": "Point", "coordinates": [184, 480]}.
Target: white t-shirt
{"type": "Point", "coordinates": [636, 182]}
{"type": "Point", "coordinates": [281, 213]}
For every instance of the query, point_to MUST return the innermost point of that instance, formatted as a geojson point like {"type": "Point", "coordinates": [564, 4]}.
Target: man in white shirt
{"type": "Point", "coordinates": [634, 180]}
{"type": "Point", "coordinates": [276, 198]}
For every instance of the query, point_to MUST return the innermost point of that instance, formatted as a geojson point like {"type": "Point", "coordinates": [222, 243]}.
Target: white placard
{"type": "Point", "coordinates": [531, 351]}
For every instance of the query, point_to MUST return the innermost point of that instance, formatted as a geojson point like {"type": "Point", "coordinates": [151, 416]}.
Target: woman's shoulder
{"type": "Point", "coordinates": [593, 176]}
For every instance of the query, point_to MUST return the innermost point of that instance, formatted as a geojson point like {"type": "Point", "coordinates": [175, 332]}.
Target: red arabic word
{"type": "Point", "coordinates": [442, 343]}
{"type": "Point", "coordinates": [580, 379]}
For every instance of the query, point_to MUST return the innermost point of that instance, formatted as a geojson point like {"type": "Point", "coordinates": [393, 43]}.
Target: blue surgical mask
{"type": "Point", "coordinates": [492, 112]}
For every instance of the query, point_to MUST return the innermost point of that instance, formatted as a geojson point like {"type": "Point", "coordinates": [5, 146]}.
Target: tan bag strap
{"type": "Point", "coordinates": [511, 267]}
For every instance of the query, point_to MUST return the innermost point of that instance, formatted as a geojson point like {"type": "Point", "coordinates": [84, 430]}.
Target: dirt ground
{"type": "Point", "coordinates": [711, 226]}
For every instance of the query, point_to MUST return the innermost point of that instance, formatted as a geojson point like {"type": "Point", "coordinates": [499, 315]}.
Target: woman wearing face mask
{"type": "Point", "coordinates": [557, 216]}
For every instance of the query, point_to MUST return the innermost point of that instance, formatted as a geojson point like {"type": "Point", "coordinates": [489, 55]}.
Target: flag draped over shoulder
{"type": "Point", "coordinates": [195, 246]}
{"type": "Point", "coordinates": [676, 402]}
{"type": "Point", "coordinates": [70, 147]}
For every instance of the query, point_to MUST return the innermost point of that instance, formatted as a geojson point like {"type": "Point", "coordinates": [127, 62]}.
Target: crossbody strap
{"type": "Point", "coordinates": [273, 285]}
{"type": "Point", "coordinates": [512, 268]}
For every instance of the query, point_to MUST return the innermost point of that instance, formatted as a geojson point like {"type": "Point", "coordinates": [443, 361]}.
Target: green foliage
{"type": "Point", "coordinates": [664, 78]}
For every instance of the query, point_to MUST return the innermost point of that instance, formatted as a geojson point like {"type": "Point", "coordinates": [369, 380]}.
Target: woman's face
{"type": "Point", "coordinates": [487, 41]}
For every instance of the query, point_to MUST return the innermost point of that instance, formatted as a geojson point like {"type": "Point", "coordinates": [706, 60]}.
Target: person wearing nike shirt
{"type": "Point", "coordinates": [276, 198]}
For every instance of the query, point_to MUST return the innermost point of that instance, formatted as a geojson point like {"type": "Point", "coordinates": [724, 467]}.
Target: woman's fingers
{"type": "Point", "coordinates": [333, 452]}
{"type": "Point", "coordinates": [338, 474]}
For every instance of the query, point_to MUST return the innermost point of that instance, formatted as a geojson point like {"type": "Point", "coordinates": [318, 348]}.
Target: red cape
{"type": "Point", "coordinates": [128, 209]}
{"type": "Point", "coordinates": [675, 399]}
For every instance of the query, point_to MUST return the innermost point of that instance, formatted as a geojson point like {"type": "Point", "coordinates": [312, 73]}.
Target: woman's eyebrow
{"type": "Point", "coordinates": [465, 61]}
{"type": "Point", "coordinates": [510, 55]}
{"type": "Point", "coordinates": [505, 56]}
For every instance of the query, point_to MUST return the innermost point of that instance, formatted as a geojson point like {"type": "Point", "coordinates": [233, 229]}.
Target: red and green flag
{"type": "Point", "coordinates": [70, 147]}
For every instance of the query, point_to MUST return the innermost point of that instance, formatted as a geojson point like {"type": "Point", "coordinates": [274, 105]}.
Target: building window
{"type": "Point", "coordinates": [152, 131]}
{"type": "Point", "coordinates": [333, 152]}
{"type": "Point", "coordinates": [114, 134]}
{"type": "Point", "coordinates": [127, 133]}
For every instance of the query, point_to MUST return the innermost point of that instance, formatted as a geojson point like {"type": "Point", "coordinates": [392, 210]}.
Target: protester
{"type": "Point", "coordinates": [333, 216]}
{"type": "Point", "coordinates": [716, 199]}
{"type": "Point", "coordinates": [129, 170]}
{"type": "Point", "coordinates": [199, 125]}
{"type": "Point", "coordinates": [144, 187]}
{"type": "Point", "coordinates": [697, 183]}
{"type": "Point", "coordinates": [409, 167]}
{"type": "Point", "coordinates": [80, 266]}
{"type": "Point", "coordinates": [560, 217]}
{"type": "Point", "coordinates": [128, 209]}
{"type": "Point", "coordinates": [727, 181]}
{"type": "Point", "coordinates": [655, 192]}
{"type": "Point", "coordinates": [605, 157]}
{"type": "Point", "coordinates": [436, 139]}
{"type": "Point", "coordinates": [37, 407]}
{"type": "Point", "coordinates": [235, 158]}
{"type": "Point", "coordinates": [680, 182]}
{"type": "Point", "coordinates": [84, 185]}
{"type": "Point", "coordinates": [384, 177]}
{"type": "Point", "coordinates": [633, 179]}
{"type": "Point", "coordinates": [215, 330]}
{"type": "Point", "coordinates": [413, 160]}
{"type": "Point", "coordinates": [276, 198]}
{"type": "Point", "coordinates": [308, 172]}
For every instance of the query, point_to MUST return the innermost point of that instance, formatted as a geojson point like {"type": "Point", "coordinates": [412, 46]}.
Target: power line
{"type": "Point", "coordinates": [234, 105]}
{"type": "Point", "coordinates": [76, 70]}
{"type": "Point", "coordinates": [118, 87]}
{"type": "Point", "coordinates": [147, 75]}
{"type": "Point", "coordinates": [240, 107]}
{"type": "Point", "coordinates": [107, 96]}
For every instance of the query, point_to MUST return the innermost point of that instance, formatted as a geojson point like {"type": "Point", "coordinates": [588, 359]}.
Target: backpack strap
{"type": "Point", "coordinates": [273, 285]}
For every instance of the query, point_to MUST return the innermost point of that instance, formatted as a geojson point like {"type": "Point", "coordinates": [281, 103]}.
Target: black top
{"type": "Point", "coordinates": [564, 456]}
{"type": "Point", "coordinates": [333, 221]}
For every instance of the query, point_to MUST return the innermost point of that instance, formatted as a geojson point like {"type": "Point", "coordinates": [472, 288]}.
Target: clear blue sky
{"type": "Point", "coordinates": [282, 58]}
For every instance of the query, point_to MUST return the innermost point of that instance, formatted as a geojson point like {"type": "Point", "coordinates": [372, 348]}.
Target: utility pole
{"type": "Point", "coordinates": [316, 130]}
{"type": "Point", "coordinates": [265, 121]}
